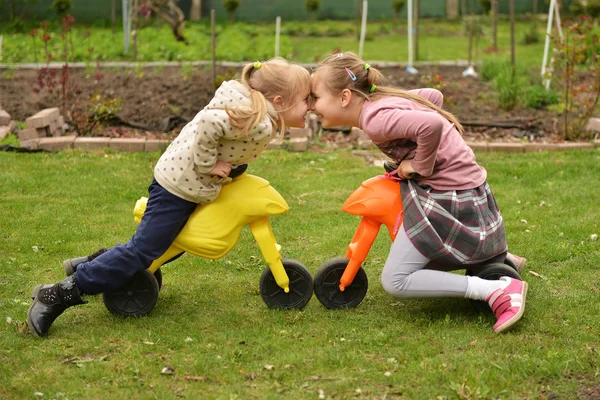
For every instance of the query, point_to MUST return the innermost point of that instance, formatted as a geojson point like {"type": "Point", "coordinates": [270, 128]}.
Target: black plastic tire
{"type": "Point", "coordinates": [327, 285]}
{"type": "Point", "coordinates": [159, 278]}
{"type": "Point", "coordinates": [301, 287]}
{"type": "Point", "coordinates": [136, 299]}
{"type": "Point", "coordinates": [492, 272]}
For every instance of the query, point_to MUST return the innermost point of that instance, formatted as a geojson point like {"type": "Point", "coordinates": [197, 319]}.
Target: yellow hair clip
{"type": "Point", "coordinates": [367, 66]}
{"type": "Point", "coordinates": [257, 64]}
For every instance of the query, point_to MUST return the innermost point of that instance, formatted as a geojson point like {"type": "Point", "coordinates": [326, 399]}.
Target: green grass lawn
{"type": "Point", "coordinates": [302, 42]}
{"type": "Point", "coordinates": [222, 342]}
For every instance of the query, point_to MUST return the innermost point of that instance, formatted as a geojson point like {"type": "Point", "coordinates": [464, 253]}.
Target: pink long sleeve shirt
{"type": "Point", "coordinates": [403, 129]}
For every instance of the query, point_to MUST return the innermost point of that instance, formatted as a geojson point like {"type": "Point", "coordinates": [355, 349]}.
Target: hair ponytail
{"type": "Point", "coordinates": [367, 76]}
{"type": "Point", "coordinates": [275, 77]}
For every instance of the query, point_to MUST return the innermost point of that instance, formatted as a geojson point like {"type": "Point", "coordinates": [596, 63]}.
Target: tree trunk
{"type": "Point", "coordinates": [416, 30]}
{"type": "Point", "coordinates": [495, 25]}
{"type": "Point", "coordinates": [511, 6]}
{"type": "Point", "coordinates": [113, 17]}
{"type": "Point", "coordinates": [196, 10]}
{"type": "Point", "coordinates": [135, 8]}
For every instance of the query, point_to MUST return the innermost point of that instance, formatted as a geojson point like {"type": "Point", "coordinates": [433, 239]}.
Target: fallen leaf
{"type": "Point", "coordinates": [195, 378]}
{"type": "Point", "coordinates": [168, 370]}
{"type": "Point", "coordinates": [538, 275]}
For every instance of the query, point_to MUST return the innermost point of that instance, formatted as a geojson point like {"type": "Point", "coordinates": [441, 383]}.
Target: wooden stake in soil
{"type": "Point", "coordinates": [277, 32]}
{"type": "Point", "coordinates": [213, 41]}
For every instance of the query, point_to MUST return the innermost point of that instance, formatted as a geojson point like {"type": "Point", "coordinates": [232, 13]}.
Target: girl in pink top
{"type": "Point", "coordinates": [451, 218]}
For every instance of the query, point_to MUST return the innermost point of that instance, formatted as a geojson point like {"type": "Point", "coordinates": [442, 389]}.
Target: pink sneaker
{"type": "Point", "coordinates": [508, 304]}
{"type": "Point", "coordinates": [518, 261]}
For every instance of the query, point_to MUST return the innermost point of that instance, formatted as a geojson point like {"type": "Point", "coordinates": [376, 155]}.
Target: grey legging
{"type": "Point", "coordinates": [404, 274]}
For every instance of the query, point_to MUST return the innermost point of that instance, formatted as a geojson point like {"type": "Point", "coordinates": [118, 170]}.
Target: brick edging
{"type": "Point", "coordinates": [151, 145]}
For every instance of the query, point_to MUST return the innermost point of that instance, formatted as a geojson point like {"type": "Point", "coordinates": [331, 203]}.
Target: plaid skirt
{"type": "Point", "coordinates": [453, 227]}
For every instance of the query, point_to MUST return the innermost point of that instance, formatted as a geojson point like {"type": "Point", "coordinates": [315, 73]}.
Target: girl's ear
{"type": "Point", "coordinates": [346, 97]}
{"type": "Point", "coordinates": [278, 101]}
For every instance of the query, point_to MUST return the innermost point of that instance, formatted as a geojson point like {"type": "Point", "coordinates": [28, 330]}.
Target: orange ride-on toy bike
{"type": "Point", "coordinates": [211, 232]}
{"type": "Point", "coordinates": [342, 283]}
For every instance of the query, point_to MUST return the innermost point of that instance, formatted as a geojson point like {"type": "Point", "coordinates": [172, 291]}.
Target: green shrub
{"type": "Point", "coordinates": [539, 97]}
{"type": "Point", "coordinates": [531, 36]}
{"type": "Point", "coordinates": [61, 7]}
{"type": "Point", "coordinates": [509, 88]}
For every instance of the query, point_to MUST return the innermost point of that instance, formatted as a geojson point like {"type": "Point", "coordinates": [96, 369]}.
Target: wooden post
{"type": "Point", "coordinates": [495, 25]}
{"type": "Point", "coordinates": [511, 6]}
{"type": "Point", "coordinates": [214, 45]}
{"type": "Point", "coordinates": [196, 10]}
{"type": "Point", "coordinates": [277, 32]}
{"type": "Point", "coordinates": [134, 32]}
{"type": "Point", "coordinates": [471, 17]}
{"type": "Point", "coordinates": [113, 16]}
{"type": "Point", "coordinates": [126, 25]}
{"type": "Point", "coordinates": [416, 28]}
{"type": "Point", "coordinates": [363, 29]}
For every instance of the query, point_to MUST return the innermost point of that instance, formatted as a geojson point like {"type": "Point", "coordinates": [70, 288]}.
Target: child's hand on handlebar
{"type": "Point", "coordinates": [406, 171]}
{"type": "Point", "coordinates": [221, 169]}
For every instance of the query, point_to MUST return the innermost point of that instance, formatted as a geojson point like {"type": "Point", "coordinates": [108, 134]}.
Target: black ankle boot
{"type": "Point", "coordinates": [49, 301]}
{"type": "Point", "coordinates": [70, 266]}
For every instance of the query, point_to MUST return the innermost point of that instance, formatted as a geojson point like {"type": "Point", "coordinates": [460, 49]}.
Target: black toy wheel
{"type": "Point", "coordinates": [327, 285]}
{"type": "Point", "coordinates": [301, 287]}
{"type": "Point", "coordinates": [158, 276]}
{"type": "Point", "coordinates": [135, 299]}
{"type": "Point", "coordinates": [492, 272]}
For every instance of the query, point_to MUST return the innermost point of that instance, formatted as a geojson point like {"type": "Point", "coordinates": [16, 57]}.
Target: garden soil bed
{"type": "Point", "coordinates": [156, 102]}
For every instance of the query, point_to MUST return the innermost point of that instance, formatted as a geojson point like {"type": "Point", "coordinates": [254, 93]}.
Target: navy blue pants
{"type": "Point", "coordinates": [165, 216]}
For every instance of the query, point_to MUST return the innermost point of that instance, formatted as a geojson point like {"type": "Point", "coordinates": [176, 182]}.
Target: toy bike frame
{"type": "Point", "coordinates": [342, 283]}
{"type": "Point", "coordinates": [211, 232]}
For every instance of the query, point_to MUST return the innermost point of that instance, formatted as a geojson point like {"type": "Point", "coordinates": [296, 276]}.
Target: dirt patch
{"type": "Point", "coordinates": [162, 98]}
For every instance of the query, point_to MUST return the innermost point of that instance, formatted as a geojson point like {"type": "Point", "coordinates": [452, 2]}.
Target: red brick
{"type": "Point", "coordinates": [537, 147]}
{"type": "Point", "coordinates": [4, 131]}
{"type": "Point", "coordinates": [298, 144]}
{"type": "Point", "coordinates": [125, 144]}
{"type": "Point", "coordinates": [156, 145]}
{"type": "Point", "coordinates": [275, 144]}
{"type": "Point", "coordinates": [299, 133]}
{"type": "Point", "coordinates": [30, 144]}
{"type": "Point", "coordinates": [506, 147]}
{"type": "Point", "coordinates": [575, 146]}
{"type": "Point", "coordinates": [478, 146]}
{"type": "Point", "coordinates": [43, 118]}
{"type": "Point", "coordinates": [4, 117]}
{"type": "Point", "coordinates": [593, 125]}
{"type": "Point", "coordinates": [57, 143]}
{"type": "Point", "coordinates": [91, 143]}
{"type": "Point", "coordinates": [27, 134]}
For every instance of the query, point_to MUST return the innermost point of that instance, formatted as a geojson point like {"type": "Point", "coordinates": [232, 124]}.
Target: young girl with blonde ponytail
{"type": "Point", "coordinates": [451, 218]}
{"type": "Point", "coordinates": [232, 130]}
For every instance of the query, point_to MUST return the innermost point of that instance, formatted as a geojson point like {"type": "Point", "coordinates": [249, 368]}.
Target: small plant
{"type": "Point", "coordinates": [486, 6]}
{"type": "Point", "coordinates": [397, 6]}
{"type": "Point", "coordinates": [509, 88]}
{"type": "Point", "coordinates": [537, 96]}
{"type": "Point", "coordinates": [312, 6]}
{"type": "Point", "coordinates": [98, 109]}
{"type": "Point", "coordinates": [61, 7]}
{"type": "Point", "coordinates": [532, 36]}
{"type": "Point", "coordinates": [231, 6]}
{"type": "Point", "coordinates": [578, 52]}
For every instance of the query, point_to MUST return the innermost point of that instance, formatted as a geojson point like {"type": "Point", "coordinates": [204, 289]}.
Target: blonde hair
{"type": "Point", "coordinates": [276, 77]}
{"type": "Point", "coordinates": [338, 79]}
